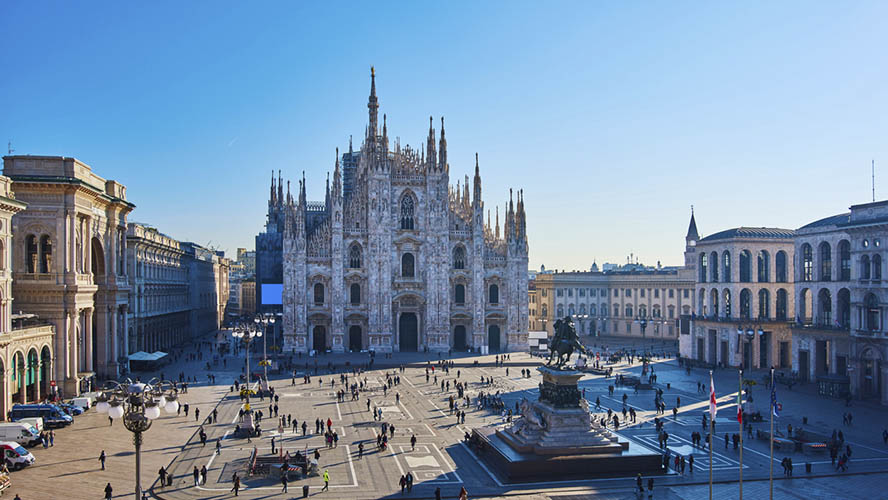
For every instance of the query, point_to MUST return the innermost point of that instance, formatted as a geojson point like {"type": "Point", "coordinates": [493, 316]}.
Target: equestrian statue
{"type": "Point", "coordinates": [564, 343]}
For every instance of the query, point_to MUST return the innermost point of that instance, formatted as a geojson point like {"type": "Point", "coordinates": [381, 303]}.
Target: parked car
{"type": "Point", "coordinates": [53, 416]}
{"type": "Point", "coordinates": [71, 409]}
{"type": "Point", "coordinates": [15, 456]}
{"type": "Point", "coordinates": [22, 433]}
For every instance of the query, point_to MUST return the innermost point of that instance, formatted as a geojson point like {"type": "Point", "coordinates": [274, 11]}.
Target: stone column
{"type": "Point", "coordinates": [87, 328]}
{"type": "Point", "coordinates": [112, 362]}
{"type": "Point", "coordinates": [37, 379]}
{"type": "Point", "coordinates": [23, 393]}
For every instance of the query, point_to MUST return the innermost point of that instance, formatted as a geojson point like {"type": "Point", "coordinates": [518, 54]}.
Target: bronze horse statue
{"type": "Point", "coordinates": [564, 342]}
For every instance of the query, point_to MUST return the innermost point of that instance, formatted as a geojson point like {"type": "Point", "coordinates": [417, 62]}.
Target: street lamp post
{"type": "Point", "coordinates": [138, 404]}
{"type": "Point", "coordinates": [265, 320]}
{"type": "Point", "coordinates": [246, 333]}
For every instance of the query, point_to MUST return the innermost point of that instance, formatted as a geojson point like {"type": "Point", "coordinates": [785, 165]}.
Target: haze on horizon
{"type": "Point", "coordinates": [613, 118]}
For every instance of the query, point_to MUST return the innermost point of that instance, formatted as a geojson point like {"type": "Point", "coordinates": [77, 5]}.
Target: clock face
{"type": "Point", "coordinates": [692, 243]}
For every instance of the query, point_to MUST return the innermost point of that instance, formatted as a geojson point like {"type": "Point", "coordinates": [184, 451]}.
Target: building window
{"type": "Point", "coordinates": [642, 293]}
{"type": "Point", "coordinates": [355, 294]}
{"type": "Point", "coordinates": [559, 292]}
{"type": "Point", "coordinates": [628, 311]}
{"type": "Point", "coordinates": [354, 256]}
{"type": "Point", "coordinates": [45, 254]}
{"type": "Point", "coordinates": [459, 296]}
{"type": "Point", "coordinates": [616, 293]}
{"type": "Point", "coordinates": [745, 266]}
{"type": "Point", "coordinates": [764, 304]}
{"type": "Point", "coordinates": [713, 263]}
{"type": "Point", "coordinates": [671, 312]}
{"type": "Point", "coordinates": [544, 292]}
{"type": "Point", "coordinates": [31, 248]}
{"type": "Point", "coordinates": [656, 293]}
{"type": "Point", "coordinates": [459, 258]}
{"type": "Point", "coordinates": [807, 263]}
{"type": "Point", "coordinates": [570, 292]}
{"type": "Point", "coordinates": [582, 308]}
{"type": "Point", "coordinates": [407, 262]}
{"type": "Point", "coordinates": [582, 292]}
{"type": "Point", "coordinates": [560, 310]}
{"type": "Point", "coordinates": [727, 295]}
{"type": "Point", "coordinates": [570, 310]}
{"type": "Point", "coordinates": [865, 267]}
{"type": "Point", "coordinates": [781, 304]}
{"type": "Point", "coordinates": [764, 267]}
{"type": "Point", "coordinates": [780, 266]}
{"type": "Point", "coordinates": [686, 293]}
{"type": "Point", "coordinates": [671, 293]}
{"type": "Point", "coordinates": [745, 306]}
{"type": "Point", "coordinates": [825, 262]}
{"type": "Point", "coordinates": [319, 294]}
{"type": "Point", "coordinates": [493, 294]}
{"type": "Point", "coordinates": [628, 292]}
{"type": "Point", "coordinates": [545, 310]}
{"type": "Point", "coordinates": [726, 266]}
{"type": "Point", "coordinates": [407, 211]}
{"type": "Point", "coordinates": [616, 310]}
{"type": "Point", "coordinates": [877, 267]}
{"type": "Point", "coordinates": [845, 260]}
{"type": "Point", "coordinates": [871, 306]}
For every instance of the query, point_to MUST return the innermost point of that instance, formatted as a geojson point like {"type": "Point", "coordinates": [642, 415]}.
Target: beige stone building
{"type": "Point", "coordinates": [744, 290]}
{"type": "Point", "coordinates": [159, 299]}
{"type": "Point", "coordinates": [630, 300]}
{"type": "Point", "coordinates": [70, 262]}
{"type": "Point", "coordinates": [248, 296]}
{"type": "Point", "coordinates": [26, 343]}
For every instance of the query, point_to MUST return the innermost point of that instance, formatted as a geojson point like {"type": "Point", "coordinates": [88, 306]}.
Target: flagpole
{"type": "Point", "coordinates": [771, 461]}
{"type": "Point", "coordinates": [740, 419]}
{"type": "Point", "coordinates": [711, 431]}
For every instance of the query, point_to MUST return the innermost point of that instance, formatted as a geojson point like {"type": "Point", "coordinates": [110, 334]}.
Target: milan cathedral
{"type": "Point", "coordinates": [396, 259]}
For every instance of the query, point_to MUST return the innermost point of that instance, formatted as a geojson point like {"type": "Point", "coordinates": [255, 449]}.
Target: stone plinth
{"type": "Point", "coordinates": [554, 437]}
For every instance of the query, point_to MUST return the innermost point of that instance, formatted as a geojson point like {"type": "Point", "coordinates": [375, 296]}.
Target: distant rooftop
{"type": "Point", "coordinates": [833, 220]}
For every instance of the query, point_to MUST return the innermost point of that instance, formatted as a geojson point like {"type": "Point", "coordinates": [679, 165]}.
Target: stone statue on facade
{"type": "Point", "coordinates": [563, 343]}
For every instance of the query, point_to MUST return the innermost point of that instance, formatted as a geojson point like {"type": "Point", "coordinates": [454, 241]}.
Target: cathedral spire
{"type": "Point", "coordinates": [497, 223]}
{"type": "Point", "coordinates": [271, 197]}
{"type": "Point", "coordinates": [373, 104]}
{"type": "Point", "coordinates": [337, 180]}
{"type": "Point", "coordinates": [477, 200]}
{"type": "Point", "coordinates": [289, 197]}
{"type": "Point", "coordinates": [280, 185]}
{"type": "Point", "coordinates": [442, 148]}
{"type": "Point", "coordinates": [430, 142]}
{"type": "Point", "coordinates": [692, 228]}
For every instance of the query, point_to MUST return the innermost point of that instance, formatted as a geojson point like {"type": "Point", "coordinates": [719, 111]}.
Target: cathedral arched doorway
{"type": "Point", "coordinates": [319, 338]}
{"type": "Point", "coordinates": [459, 338]}
{"type": "Point", "coordinates": [354, 338]}
{"type": "Point", "coordinates": [493, 338]}
{"type": "Point", "coordinates": [408, 332]}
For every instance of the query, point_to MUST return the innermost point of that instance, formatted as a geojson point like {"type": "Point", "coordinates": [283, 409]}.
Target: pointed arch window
{"type": "Point", "coordinates": [459, 296]}
{"type": "Point", "coordinates": [354, 256]}
{"type": "Point", "coordinates": [494, 294]}
{"type": "Point", "coordinates": [355, 294]}
{"type": "Point", "coordinates": [459, 258]}
{"type": "Point", "coordinates": [319, 294]}
{"type": "Point", "coordinates": [407, 262]}
{"type": "Point", "coordinates": [408, 208]}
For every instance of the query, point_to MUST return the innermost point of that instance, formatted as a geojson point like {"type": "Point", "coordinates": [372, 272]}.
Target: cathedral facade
{"type": "Point", "coordinates": [396, 259]}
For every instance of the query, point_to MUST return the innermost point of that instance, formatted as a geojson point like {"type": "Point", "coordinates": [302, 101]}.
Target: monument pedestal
{"type": "Point", "coordinates": [555, 438]}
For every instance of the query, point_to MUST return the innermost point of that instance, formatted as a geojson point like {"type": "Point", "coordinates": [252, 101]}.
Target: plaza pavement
{"type": "Point", "coordinates": [71, 468]}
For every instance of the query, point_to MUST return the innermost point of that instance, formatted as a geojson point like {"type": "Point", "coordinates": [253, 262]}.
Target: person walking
{"type": "Point", "coordinates": [51, 438]}
{"type": "Point", "coordinates": [326, 481]}
{"type": "Point", "coordinates": [196, 414]}
{"type": "Point", "coordinates": [360, 450]}
{"type": "Point", "coordinates": [203, 475]}
{"type": "Point", "coordinates": [196, 474]}
{"type": "Point", "coordinates": [650, 488]}
{"type": "Point", "coordinates": [284, 482]}
{"type": "Point", "coordinates": [409, 481]}
{"type": "Point", "coordinates": [438, 489]}
{"type": "Point", "coordinates": [403, 484]}
{"type": "Point", "coordinates": [102, 459]}
{"type": "Point", "coordinates": [235, 484]}
{"type": "Point", "coordinates": [413, 442]}
{"type": "Point", "coordinates": [161, 474]}
{"type": "Point", "coordinates": [109, 491]}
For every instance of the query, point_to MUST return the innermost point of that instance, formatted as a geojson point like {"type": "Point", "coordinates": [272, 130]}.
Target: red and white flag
{"type": "Point", "coordinates": [712, 407]}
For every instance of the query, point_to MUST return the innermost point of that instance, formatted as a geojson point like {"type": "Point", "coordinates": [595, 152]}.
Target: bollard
{"type": "Point", "coordinates": [305, 491]}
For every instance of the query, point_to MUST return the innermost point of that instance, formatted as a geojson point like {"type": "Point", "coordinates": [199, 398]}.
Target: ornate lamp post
{"type": "Point", "coordinates": [264, 320]}
{"type": "Point", "coordinates": [138, 404]}
{"type": "Point", "coordinates": [246, 333]}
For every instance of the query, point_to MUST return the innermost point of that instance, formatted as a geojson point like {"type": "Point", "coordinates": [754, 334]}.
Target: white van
{"type": "Point", "coordinates": [20, 432]}
{"type": "Point", "coordinates": [15, 456]}
{"type": "Point", "coordinates": [84, 402]}
{"type": "Point", "coordinates": [35, 422]}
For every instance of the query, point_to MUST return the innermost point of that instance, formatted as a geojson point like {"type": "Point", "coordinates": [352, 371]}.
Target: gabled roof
{"type": "Point", "coordinates": [692, 229]}
{"type": "Point", "coordinates": [753, 233]}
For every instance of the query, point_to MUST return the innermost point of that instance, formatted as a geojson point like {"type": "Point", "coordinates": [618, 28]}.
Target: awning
{"type": "Point", "coordinates": [145, 356]}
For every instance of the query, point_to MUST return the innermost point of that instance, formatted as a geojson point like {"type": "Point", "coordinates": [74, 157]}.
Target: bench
{"type": "Point", "coordinates": [814, 448]}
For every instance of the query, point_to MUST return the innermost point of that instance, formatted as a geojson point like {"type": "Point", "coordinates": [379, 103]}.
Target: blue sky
{"type": "Point", "coordinates": [614, 117]}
